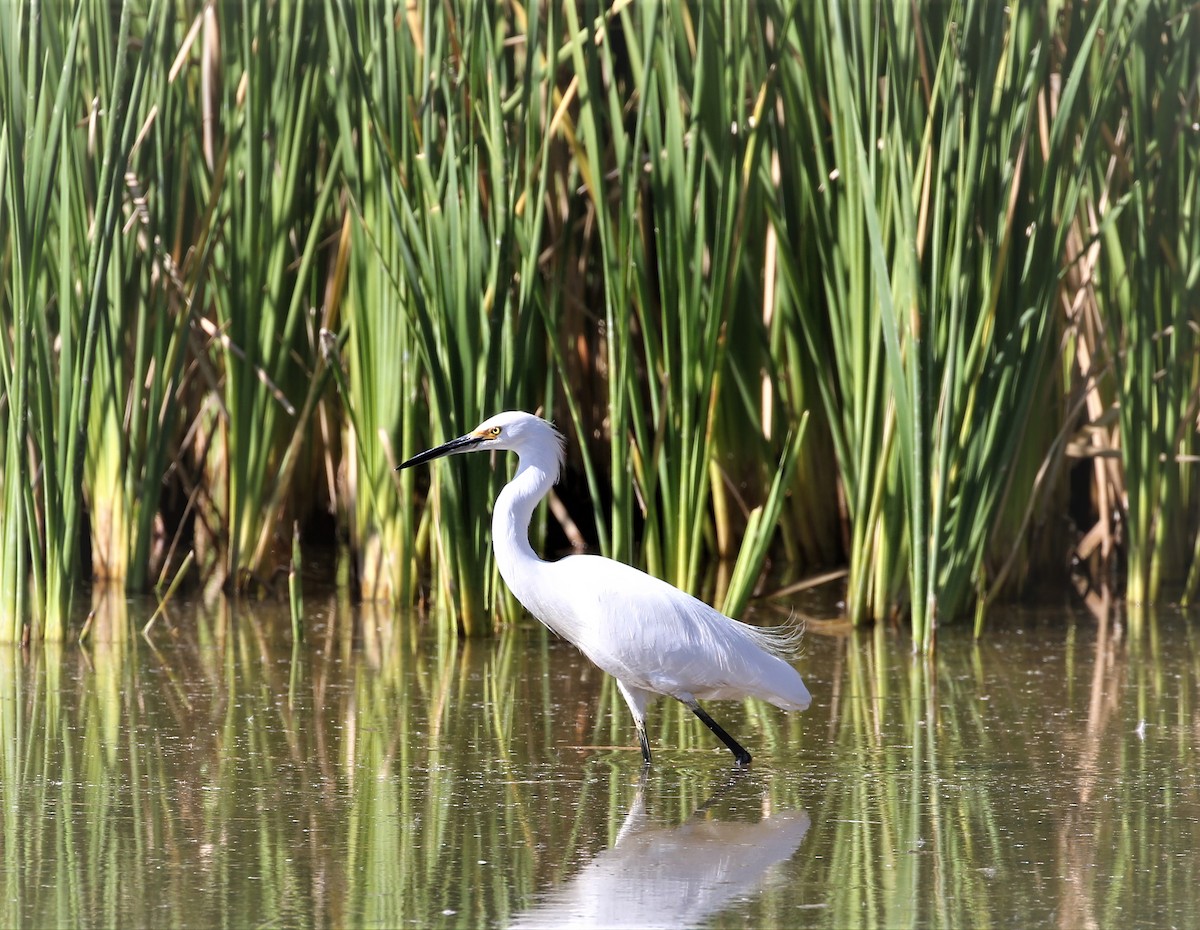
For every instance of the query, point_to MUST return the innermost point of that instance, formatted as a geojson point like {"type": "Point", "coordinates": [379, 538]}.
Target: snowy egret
{"type": "Point", "coordinates": [651, 637]}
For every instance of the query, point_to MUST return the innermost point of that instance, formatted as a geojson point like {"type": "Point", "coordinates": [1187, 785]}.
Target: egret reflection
{"type": "Point", "coordinates": [670, 876]}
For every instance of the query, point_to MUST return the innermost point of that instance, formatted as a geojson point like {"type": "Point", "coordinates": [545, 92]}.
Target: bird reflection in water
{"type": "Point", "coordinates": [671, 876]}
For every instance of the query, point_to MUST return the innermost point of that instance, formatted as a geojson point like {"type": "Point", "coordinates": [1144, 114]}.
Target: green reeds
{"type": "Point", "coordinates": [275, 179]}
{"type": "Point", "coordinates": [668, 143]}
{"type": "Point", "coordinates": [62, 225]}
{"type": "Point", "coordinates": [672, 227]}
{"type": "Point", "coordinates": [1144, 213]}
{"type": "Point", "coordinates": [383, 368]}
{"type": "Point", "coordinates": [155, 281]}
{"type": "Point", "coordinates": [839, 321]}
{"type": "Point", "coordinates": [441, 175]}
{"type": "Point", "coordinates": [36, 92]}
{"type": "Point", "coordinates": [936, 218]}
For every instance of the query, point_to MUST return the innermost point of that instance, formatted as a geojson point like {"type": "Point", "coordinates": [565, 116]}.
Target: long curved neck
{"type": "Point", "coordinates": [515, 558]}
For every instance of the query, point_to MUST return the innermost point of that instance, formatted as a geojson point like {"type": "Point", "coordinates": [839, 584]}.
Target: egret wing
{"type": "Point", "coordinates": [653, 636]}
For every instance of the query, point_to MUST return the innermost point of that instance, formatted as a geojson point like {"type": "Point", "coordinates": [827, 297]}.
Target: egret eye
{"type": "Point", "coordinates": [494, 432]}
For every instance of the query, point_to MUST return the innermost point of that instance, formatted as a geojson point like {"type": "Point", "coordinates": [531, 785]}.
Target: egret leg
{"type": "Point", "coordinates": [739, 753]}
{"type": "Point", "coordinates": [645, 743]}
{"type": "Point", "coordinates": [637, 699]}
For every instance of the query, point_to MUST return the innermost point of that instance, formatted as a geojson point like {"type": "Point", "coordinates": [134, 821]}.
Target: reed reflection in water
{"type": "Point", "coordinates": [212, 774]}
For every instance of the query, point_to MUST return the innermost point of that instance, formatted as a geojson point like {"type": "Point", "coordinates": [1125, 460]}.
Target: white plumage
{"type": "Point", "coordinates": [650, 636]}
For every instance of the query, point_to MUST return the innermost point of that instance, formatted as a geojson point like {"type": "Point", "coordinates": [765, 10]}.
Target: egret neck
{"type": "Point", "coordinates": [537, 471]}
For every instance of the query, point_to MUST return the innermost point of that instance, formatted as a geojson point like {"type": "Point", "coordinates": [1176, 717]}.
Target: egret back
{"type": "Point", "coordinates": [652, 636]}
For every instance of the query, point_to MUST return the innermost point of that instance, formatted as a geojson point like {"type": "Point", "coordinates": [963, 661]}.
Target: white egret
{"type": "Point", "coordinates": [651, 637]}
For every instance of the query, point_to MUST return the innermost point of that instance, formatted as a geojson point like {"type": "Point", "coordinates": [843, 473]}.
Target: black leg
{"type": "Point", "coordinates": [645, 744]}
{"type": "Point", "coordinates": [740, 754]}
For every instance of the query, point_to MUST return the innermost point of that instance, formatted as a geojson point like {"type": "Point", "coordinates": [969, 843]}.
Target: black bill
{"type": "Point", "coordinates": [461, 444]}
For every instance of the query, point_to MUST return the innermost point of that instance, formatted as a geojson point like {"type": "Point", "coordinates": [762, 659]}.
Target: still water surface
{"type": "Point", "coordinates": [211, 775]}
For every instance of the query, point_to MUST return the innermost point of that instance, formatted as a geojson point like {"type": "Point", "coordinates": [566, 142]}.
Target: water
{"type": "Point", "coordinates": [212, 776]}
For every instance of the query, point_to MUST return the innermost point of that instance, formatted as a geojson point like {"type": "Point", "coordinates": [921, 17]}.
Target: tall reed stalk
{"type": "Point", "coordinates": [275, 179]}
{"type": "Point", "coordinates": [62, 226]}
{"type": "Point", "coordinates": [27, 194]}
{"type": "Point", "coordinates": [37, 91]}
{"type": "Point", "coordinates": [1145, 213]}
{"type": "Point", "coordinates": [153, 283]}
{"type": "Point", "coordinates": [668, 139]}
{"type": "Point", "coordinates": [384, 370]}
{"type": "Point", "coordinates": [936, 213]}
{"type": "Point", "coordinates": [449, 173]}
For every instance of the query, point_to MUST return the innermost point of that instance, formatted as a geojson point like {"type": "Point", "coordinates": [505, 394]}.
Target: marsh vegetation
{"type": "Point", "coordinates": [905, 288]}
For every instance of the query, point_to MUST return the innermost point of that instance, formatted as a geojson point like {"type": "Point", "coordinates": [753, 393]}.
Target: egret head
{"type": "Point", "coordinates": [532, 438]}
